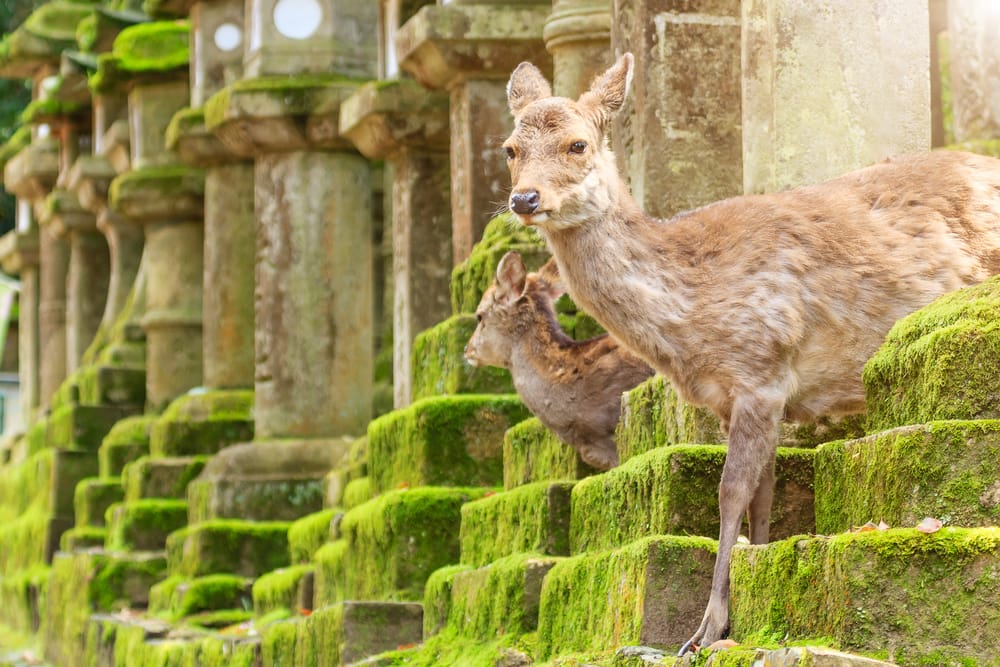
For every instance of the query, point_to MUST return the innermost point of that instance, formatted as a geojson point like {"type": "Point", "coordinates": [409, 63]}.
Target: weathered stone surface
{"type": "Point", "coordinates": [92, 498]}
{"type": "Point", "coordinates": [127, 440]}
{"type": "Point", "coordinates": [19, 256]}
{"type": "Point", "coordinates": [280, 589]}
{"type": "Point", "coordinates": [246, 548]}
{"type": "Point", "coordinates": [439, 367]}
{"type": "Point", "coordinates": [160, 477]}
{"type": "Point", "coordinates": [446, 441]}
{"type": "Point", "coordinates": [203, 423]}
{"type": "Point", "coordinates": [215, 63]}
{"type": "Point", "coordinates": [578, 35]}
{"type": "Point", "coordinates": [975, 70]}
{"type": "Point", "coordinates": [938, 363]}
{"type": "Point", "coordinates": [533, 453]}
{"type": "Point", "coordinates": [144, 524]}
{"type": "Point", "coordinates": [651, 592]}
{"type": "Point", "coordinates": [674, 490]}
{"type": "Point", "coordinates": [383, 117]}
{"type": "Point", "coordinates": [530, 519]}
{"type": "Point", "coordinates": [68, 469]}
{"type": "Point", "coordinates": [54, 255]}
{"type": "Point", "coordinates": [178, 597]}
{"type": "Point", "coordinates": [851, 85]}
{"type": "Point", "coordinates": [851, 588]}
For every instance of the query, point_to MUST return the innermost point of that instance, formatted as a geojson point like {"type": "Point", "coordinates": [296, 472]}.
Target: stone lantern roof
{"type": "Point", "coordinates": [144, 51]}
{"type": "Point", "coordinates": [40, 40]}
{"type": "Point", "coordinates": [97, 32]}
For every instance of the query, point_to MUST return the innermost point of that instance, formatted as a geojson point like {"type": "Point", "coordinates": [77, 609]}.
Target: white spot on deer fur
{"type": "Point", "coordinates": [539, 218]}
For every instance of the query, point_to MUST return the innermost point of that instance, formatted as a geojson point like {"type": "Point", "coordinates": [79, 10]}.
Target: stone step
{"type": "Point", "coordinates": [147, 477]}
{"type": "Point", "coordinates": [280, 480]}
{"type": "Point", "coordinates": [945, 469]}
{"type": "Point", "coordinates": [84, 426]}
{"type": "Point", "coordinates": [288, 588]}
{"type": "Point", "coordinates": [483, 603]}
{"type": "Point", "coordinates": [939, 362]}
{"type": "Point", "coordinates": [674, 491]}
{"type": "Point", "coordinates": [391, 545]}
{"type": "Point", "coordinates": [358, 492]}
{"type": "Point", "coordinates": [443, 441]}
{"type": "Point", "coordinates": [913, 598]}
{"type": "Point", "coordinates": [126, 441]}
{"type": "Point", "coordinates": [739, 656]}
{"type": "Point", "coordinates": [311, 532]}
{"type": "Point", "coordinates": [177, 597]}
{"type": "Point", "coordinates": [203, 423]}
{"type": "Point", "coordinates": [533, 453]}
{"type": "Point", "coordinates": [354, 467]}
{"type": "Point", "coordinates": [102, 384]}
{"type": "Point", "coordinates": [342, 634]}
{"type": "Point", "coordinates": [651, 592]}
{"type": "Point", "coordinates": [83, 537]}
{"type": "Point", "coordinates": [439, 366]}
{"type": "Point", "coordinates": [534, 518]}
{"type": "Point", "coordinates": [230, 546]}
{"type": "Point", "coordinates": [92, 498]}
{"type": "Point", "coordinates": [144, 524]}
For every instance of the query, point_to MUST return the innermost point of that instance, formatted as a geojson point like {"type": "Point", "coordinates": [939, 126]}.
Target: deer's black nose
{"type": "Point", "coordinates": [525, 202]}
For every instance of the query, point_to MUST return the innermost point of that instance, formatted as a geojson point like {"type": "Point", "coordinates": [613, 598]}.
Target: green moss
{"type": "Point", "coordinates": [330, 573]}
{"type": "Point", "coordinates": [17, 142]}
{"type": "Point", "coordinates": [438, 598]}
{"type": "Point", "coordinates": [161, 478]}
{"type": "Point", "coordinates": [125, 579]}
{"type": "Point", "coordinates": [127, 441]}
{"type": "Point", "coordinates": [76, 426]}
{"type": "Point", "coordinates": [450, 649]}
{"type": "Point", "coordinates": [213, 592]}
{"type": "Point", "coordinates": [169, 181]}
{"type": "Point", "coordinates": [22, 602]}
{"type": "Point", "coordinates": [602, 600]}
{"type": "Point", "coordinates": [92, 498]}
{"type": "Point", "coordinates": [247, 548]}
{"type": "Point", "coordinates": [183, 122]}
{"type": "Point", "coordinates": [674, 490]}
{"type": "Point", "coordinates": [141, 50]}
{"type": "Point", "coordinates": [310, 533]}
{"type": "Point", "coordinates": [358, 492]}
{"type": "Point", "coordinates": [144, 524]}
{"type": "Point", "coordinates": [222, 618]}
{"type": "Point", "coordinates": [439, 367]}
{"type": "Point", "coordinates": [82, 537]}
{"type": "Point", "coordinates": [26, 540]}
{"type": "Point", "coordinates": [203, 423]}
{"type": "Point", "coordinates": [86, 33]}
{"type": "Point", "coordinates": [949, 470]}
{"type": "Point", "coordinates": [533, 453]}
{"type": "Point", "coordinates": [454, 440]}
{"type": "Point", "coordinates": [279, 589]}
{"type": "Point", "coordinates": [918, 597]}
{"type": "Point", "coordinates": [396, 541]}
{"type": "Point", "coordinates": [278, 642]}
{"type": "Point", "coordinates": [471, 278]}
{"type": "Point", "coordinates": [531, 519]}
{"type": "Point", "coordinates": [40, 111]}
{"type": "Point", "coordinates": [940, 362]}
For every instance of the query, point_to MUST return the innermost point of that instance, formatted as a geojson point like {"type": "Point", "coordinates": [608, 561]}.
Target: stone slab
{"type": "Point", "coordinates": [144, 524]}
{"type": "Point", "coordinates": [147, 477]}
{"type": "Point", "coordinates": [92, 498]}
{"type": "Point", "coordinates": [246, 548]}
{"type": "Point", "coordinates": [533, 453]}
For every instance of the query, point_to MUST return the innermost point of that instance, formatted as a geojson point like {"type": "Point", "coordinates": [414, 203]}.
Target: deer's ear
{"type": "Point", "coordinates": [608, 92]}
{"type": "Point", "coordinates": [550, 280]}
{"type": "Point", "coordinates": [526, 85]}
{"type": "Point", "coordinates": [510, 278]}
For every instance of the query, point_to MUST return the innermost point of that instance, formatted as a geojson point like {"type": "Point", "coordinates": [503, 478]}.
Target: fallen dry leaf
{"type": "Point", "coordinates": [867, 528]}
{"type": "Point", "coordinates": [305, 612]}
{"type": "Point", "coordinates": [721, 645]}
{"type": "Point", "coordinates": [882, 525]}
{"type": "Point", "coordinates": [929, 525]}
{"type": "Point", "coordinates": [406, 647]}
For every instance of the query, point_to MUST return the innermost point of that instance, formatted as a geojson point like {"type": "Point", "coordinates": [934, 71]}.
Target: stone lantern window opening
{"type": "Point", "coordinates": [23, 215]}
{"type": "Point", "coordinates": [389, 25]}
{"type": "Point", "coordinates": [43, 131]}
{"type": "Point", "coordinates": [297, 19]}
{"type": "Point", "coordinates": [228, 37]}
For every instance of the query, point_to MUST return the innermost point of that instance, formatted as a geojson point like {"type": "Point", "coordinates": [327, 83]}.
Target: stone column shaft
{"type": "Point", "coordinates": [973, 31]}
{"type": "Point", "coordinates": [28, 342]}
{"type": "Point", "coordinates": [87, 287]}
{"type": "Point", "coordinates": [54, 263]}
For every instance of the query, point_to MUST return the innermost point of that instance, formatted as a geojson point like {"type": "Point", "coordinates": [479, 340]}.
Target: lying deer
{"type": "Point", "coordinates": [573, 387]}
{"type": "Point", "coordinates": [762, 307]}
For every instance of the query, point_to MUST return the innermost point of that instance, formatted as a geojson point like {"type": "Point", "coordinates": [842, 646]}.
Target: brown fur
{"type": "Point", "coordinates": [759, 307]}
{"type": "Point", "coordinates": [573, 387]}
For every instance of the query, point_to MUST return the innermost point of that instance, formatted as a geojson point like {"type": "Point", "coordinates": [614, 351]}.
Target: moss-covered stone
{"type": "Point", "coordinates": [471, 278]}
{"type": "Point", "coordinates": [246, 548]}
{"type": "Point", "coordinates": [533, 453]}
{"type": "Point", "coordinates": [438, 598]}
{"type": "Point", "coordinates": [101, 384]}
{"type": "Point", "coordinates": [531, 519]}
{"type": "Point", "coordinates": [69, 468]}
{"type": "Point", "coordinates": [674, 490]}
{"type": "Point", "coordinates": [213, 592]}
{"type": "Point", "coordinates": [22, 599]}
{"type": "Point", "coordinates": [147, 477]}
{"type": "Point", "coordinates": [82, 537]}
{"type": "Point", "coordinates": [346, 633]}
{"type": "Point", "coordinates": [144, 524]}
{"type": "Point", "coordinates": [358, 492]}
{"type": "Point", "coordinates": [203, 423]}
{"type": "Point", "coordinates": [43, 35]}
{"type": "Point", "coordinates": [83, 426]}
{"type": "Point", "coordinates": [912, 598]}
{"type": "Point", "coordinates": [651, 592]}
{"type": "Point", "coordinates": [949, 470]}
{"type": "Point", "coordinates": [92, 498]}
{"type": "Point", "coordinates": [453, 440]}
{"type": "Point", "coordinates": [127, 441]}
{"type": "Point", "coordinates": [392, 544]}
{"type": "Point", "coordinates": [439, 367]}
{"type": "Point", "coordinates": [280, 589]}
{"type": "Point", "coordinates": [143, 50]}
{"type": "Point", "coordinates": [311, 532]}
{"type": "Point", "coordinates": [170, 191]}
{"type": "Point", "coordinates": [355, 467]}
{"type": "Point", "coordinates": [940, 362]}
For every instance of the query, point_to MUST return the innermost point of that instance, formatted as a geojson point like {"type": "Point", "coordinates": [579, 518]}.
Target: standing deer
{"type": "Point", "coordinates": [573, 387]}
{"type": "Point", "coordinates": [761, 307]}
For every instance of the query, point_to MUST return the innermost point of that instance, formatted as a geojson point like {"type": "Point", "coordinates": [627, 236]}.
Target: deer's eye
{"type": "Point", "coordinates": [509, 151]}
{"type": "Point", "coordinates": [578, 147]}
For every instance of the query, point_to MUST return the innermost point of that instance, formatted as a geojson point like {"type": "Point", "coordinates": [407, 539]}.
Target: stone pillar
{"type": "Point", "coordinates": [973, 31]}
{"type": "Point", "coordinates": [469, 50]}
{"type": "Point", "coordinates": [678, 137]}
{"type": "Point", "coordinates": [407, 125]}
{"type": "Point", "coordinates": [578, 35]}
{"type": "Point", "coordinates": [831, 86]}
{"type": "Point", "coordinates": [19, 256]}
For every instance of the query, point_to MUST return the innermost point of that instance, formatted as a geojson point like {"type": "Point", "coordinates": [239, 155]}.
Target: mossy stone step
{"type": "Point", "coordinates": [342, 634]}
{"type": "Point", "coordinates": [675, 491]}
{"type": "Point", "coordinates": [144, 524]}
{"type": "Point", "coordinates": [651, 592]}
{"type": "Point", "coordinates": [940, 362]}
{"type": "Point", "coordinates": [126, 441]}
{"type": "Point", "coordinates": [530, 519]}
{"type": "Point", "coordinates": [445, 441]}
{"type": "Point", "coordinates": [391, 545]}
{"type": "Point", "coordinates": [83, 537]}
{"type": "Point", "coordinates": [497, 599]}
{"type": "Point", "coordinates": [247, 548]}
{"type": "Point", "coordinates": [83, 426]}
{"type": "Point", "coordinates": [203, 423]}
{"type": "Point", "coordinates": [354, 467]}
{"type": "Point", "coordinates": [102, 384]}
{"type": "Point", "coordinates": [31, 539]}
{"type": "Point", "coordinates": [69, 468]}
{"type": "Point", "coordinates": [946, 469]}
{"type": "Point", "coordinates": [533, 453]}
{"type": "Point", "coordinates": [288, 588]}
{"type": "Point", "coordinates": [910, 597]}
{"type": "Point", "coordinates": [22, 598]}
{"type": "Point", "coordinates": [147, 477]}
{"type": "Point", "coordinates": [177, 597]}
{"type": "Point", "coordinates": [439, 366]}
{"type": "Point", "coordinates": [311, 532]}
{"type": "Point", "coordinates": [92, 498]}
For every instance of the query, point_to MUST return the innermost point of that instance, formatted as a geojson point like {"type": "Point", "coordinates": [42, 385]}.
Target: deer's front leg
{"type": "Point", "coordinates": [753, 436]}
